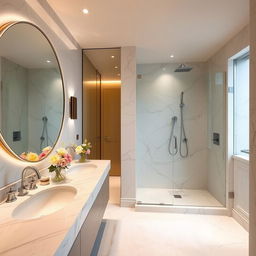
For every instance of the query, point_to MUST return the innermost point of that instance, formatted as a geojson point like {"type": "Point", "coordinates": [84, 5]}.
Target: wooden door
{"type": "Point", "coordinates": [111, 126]}
{"type": "Point", "coordinates": [91, 107]}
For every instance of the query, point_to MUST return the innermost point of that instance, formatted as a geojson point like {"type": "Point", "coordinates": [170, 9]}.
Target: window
{"type": "Point", "coordinates": [241, 105]}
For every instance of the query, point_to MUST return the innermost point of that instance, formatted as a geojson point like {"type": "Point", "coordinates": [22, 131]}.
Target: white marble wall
{"type": "Point", "coordinates": [158, 99]}
{"type": "Point", "coordinates": [14, 103]}
{"type": "Point", "coordinates": [218, 65]}
{"type": "Point", "coordinates": [71, 64]}
{"type": "Point", "coordinates": [45, 98]}
{"type": "Point", "coordinates": [128, 125]}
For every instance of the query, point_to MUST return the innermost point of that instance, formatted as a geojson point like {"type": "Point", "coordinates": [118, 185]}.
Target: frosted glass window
{"type": "Point", "coordinates": [241, 105]}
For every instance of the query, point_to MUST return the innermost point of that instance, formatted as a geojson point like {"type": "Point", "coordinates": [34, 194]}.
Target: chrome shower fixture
{"type": "Point", "coordinates": [183, 68]}
{"type": "Point", "coordinates": [183, 138]}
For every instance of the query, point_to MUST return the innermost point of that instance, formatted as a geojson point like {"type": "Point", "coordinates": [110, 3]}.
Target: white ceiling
{"type": "Point", "coordinates": [102, 60]}
{"type": "Point", "coordinates": [192, 30]}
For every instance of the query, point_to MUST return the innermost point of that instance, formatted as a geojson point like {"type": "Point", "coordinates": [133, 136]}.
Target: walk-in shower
{"type": "Point", "coordinates": [177, 111]}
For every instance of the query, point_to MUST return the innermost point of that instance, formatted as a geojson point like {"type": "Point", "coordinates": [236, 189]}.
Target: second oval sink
{"type": "Point", "coordinates": [45, 202]}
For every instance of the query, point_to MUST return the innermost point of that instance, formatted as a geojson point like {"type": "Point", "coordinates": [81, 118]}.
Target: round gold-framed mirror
{"type": "Point", "coordinates": [32, 95]}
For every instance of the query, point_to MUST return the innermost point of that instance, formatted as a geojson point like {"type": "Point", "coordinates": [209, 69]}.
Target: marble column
{"type": "Point", "coordinates": [128, 126]}
{"type": "Point", "coordinates": [252, 218]}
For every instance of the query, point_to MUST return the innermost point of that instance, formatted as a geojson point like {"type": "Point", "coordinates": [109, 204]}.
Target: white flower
{"type": "Point", "coordinates": [62, 151]}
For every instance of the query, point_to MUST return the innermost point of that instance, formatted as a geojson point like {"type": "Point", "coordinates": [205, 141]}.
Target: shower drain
{"type": "Point", "coordinates": [177, 196]}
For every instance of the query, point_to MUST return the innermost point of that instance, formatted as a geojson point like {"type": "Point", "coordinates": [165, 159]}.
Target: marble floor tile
{"type": "Point", "coordinates": [130, 233]}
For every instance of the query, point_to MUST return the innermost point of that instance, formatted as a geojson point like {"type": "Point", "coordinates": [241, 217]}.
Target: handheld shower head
{"type": "Point", "coordinates": [181, 100]}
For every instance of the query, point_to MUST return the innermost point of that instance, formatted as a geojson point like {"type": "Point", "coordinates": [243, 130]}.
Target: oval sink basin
{"type": "Point", "coordinates": [45, 202]}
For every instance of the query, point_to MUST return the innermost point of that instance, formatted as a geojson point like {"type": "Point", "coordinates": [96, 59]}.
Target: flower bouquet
{"type": "Point", "coordinates": [59, 162]}
{"type": "Point", "coordinates": [84, 150]}
{"type": "Point", "coordinates": [34, 157]}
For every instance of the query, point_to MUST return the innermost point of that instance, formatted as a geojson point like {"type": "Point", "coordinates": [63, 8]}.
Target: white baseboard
{"type": "Point", "coordinates": [128, 202]}
{"type": "Point", "coordinates": [242, 220]}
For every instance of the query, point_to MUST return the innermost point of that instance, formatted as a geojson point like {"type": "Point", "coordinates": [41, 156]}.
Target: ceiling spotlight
{"type": "Point", "coordinates": [48, 61]}
{"type": "Point", "coordinates": [112, 56]}
{"type": "Point", "coordinates": [118, 74]}
{"type": "Point", "coordinates": [171, 56]}
{"type": "Point", "coordinates": [116, 67]}
{"type": "Point", "coordinates": [85, 11]}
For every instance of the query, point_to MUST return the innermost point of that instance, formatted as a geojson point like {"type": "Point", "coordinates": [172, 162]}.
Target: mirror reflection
{"type": "Point", "coordinates": [31, 106]}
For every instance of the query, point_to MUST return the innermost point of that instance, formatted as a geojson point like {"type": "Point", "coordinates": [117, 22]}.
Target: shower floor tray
{"type": "Point", "coordinates": [178, 197]}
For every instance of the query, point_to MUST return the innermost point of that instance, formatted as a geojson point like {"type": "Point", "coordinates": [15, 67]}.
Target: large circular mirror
{"type": "Point", "coordinates": [31, 92]}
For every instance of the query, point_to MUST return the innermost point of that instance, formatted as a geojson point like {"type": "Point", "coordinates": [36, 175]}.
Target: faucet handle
{"type": "Point", "coordinates": [22, 191]}
{"type": "Point", "coordinates": [11, 197]}
{"type": "Point", "coordinates": [32, 183]}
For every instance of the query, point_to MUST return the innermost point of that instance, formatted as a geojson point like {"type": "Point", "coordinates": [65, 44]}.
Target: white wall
{"type": "Point", "coordinates": [241, 190]}
{"type": "Point", "coordinates": [71, 64]}
{"type": "Point", "coordinates": [128, 125]}
{"type": "Point", "coordinates": [14, 104]}
{"type": "Point", "coordinates": [217, 180]}
{"type": "Point", "coordinates": [158, 100]}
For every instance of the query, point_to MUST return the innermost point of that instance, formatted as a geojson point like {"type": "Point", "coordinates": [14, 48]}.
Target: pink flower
{"type": "Point", "coordinates": [23, 155]}
{"type": "Point", "coordinates": [68, 158]}
{"type": "Point", "coordinates": [88, 152]}
{"type": "Point", "coordinates": [43, 155]}
{"type": "Point", "coordinates": [63, 162]}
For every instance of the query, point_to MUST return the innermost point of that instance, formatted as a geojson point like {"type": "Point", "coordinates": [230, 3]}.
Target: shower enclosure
{"type": "Point", "coordinates": [180, 136]}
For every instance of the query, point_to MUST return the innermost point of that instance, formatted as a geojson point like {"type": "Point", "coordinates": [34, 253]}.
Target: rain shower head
{"type": "Point", "coordinates": [183, 68]}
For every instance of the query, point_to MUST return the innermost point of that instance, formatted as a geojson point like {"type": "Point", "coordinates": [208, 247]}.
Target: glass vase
{"type": "Point", "coordinates": [83, 158]}
{"type": "Point", "coordinates": [59, 175]}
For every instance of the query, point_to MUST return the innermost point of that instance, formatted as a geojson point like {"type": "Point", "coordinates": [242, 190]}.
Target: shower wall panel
{"type": "Point", "coordinates": [158, 99]}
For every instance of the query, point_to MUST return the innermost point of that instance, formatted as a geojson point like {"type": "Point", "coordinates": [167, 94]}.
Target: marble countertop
{"type": "Point", "coordinates": [53, 234]}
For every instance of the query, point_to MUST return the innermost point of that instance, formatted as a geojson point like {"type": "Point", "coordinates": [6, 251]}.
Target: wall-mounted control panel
{"type": "Point", "coordinates": [216, 138]}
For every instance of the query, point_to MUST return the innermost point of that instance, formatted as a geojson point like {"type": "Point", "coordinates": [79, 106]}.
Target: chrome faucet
{"type": "Point", "coordinates": [71, 148]}
{"type": "Point", "coordinates": [23, 188]}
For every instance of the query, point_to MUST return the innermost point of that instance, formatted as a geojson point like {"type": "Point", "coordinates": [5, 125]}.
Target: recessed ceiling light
{"type": "Point", "coordinates": [172, 56]}
{"type": "Point", "coordinates": [48, 61]}
{"type": "Point", "coordinates": [118, 74]}
{"type": "Point", "coordinates": [85, 11]}
{"type": "Point", "coordinates": [116, 66]}
{"type": "Point", "coordinates": [112, 56]}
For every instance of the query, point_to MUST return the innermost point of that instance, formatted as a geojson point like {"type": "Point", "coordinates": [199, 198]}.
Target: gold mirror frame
{"type": "Point", "coordinates": [3, 143]}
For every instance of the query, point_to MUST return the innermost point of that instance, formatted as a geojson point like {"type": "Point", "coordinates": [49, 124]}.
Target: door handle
{"type": "Point", "coordinates": [107, 138]}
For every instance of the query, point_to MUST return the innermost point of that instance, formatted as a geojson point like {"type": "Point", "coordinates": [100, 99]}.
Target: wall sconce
{"type": "Point", "coordinates": [73, 107]}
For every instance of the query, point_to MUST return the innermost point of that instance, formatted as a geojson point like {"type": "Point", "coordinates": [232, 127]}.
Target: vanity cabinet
{"type": "Point", "coordinates": [86, 237]}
